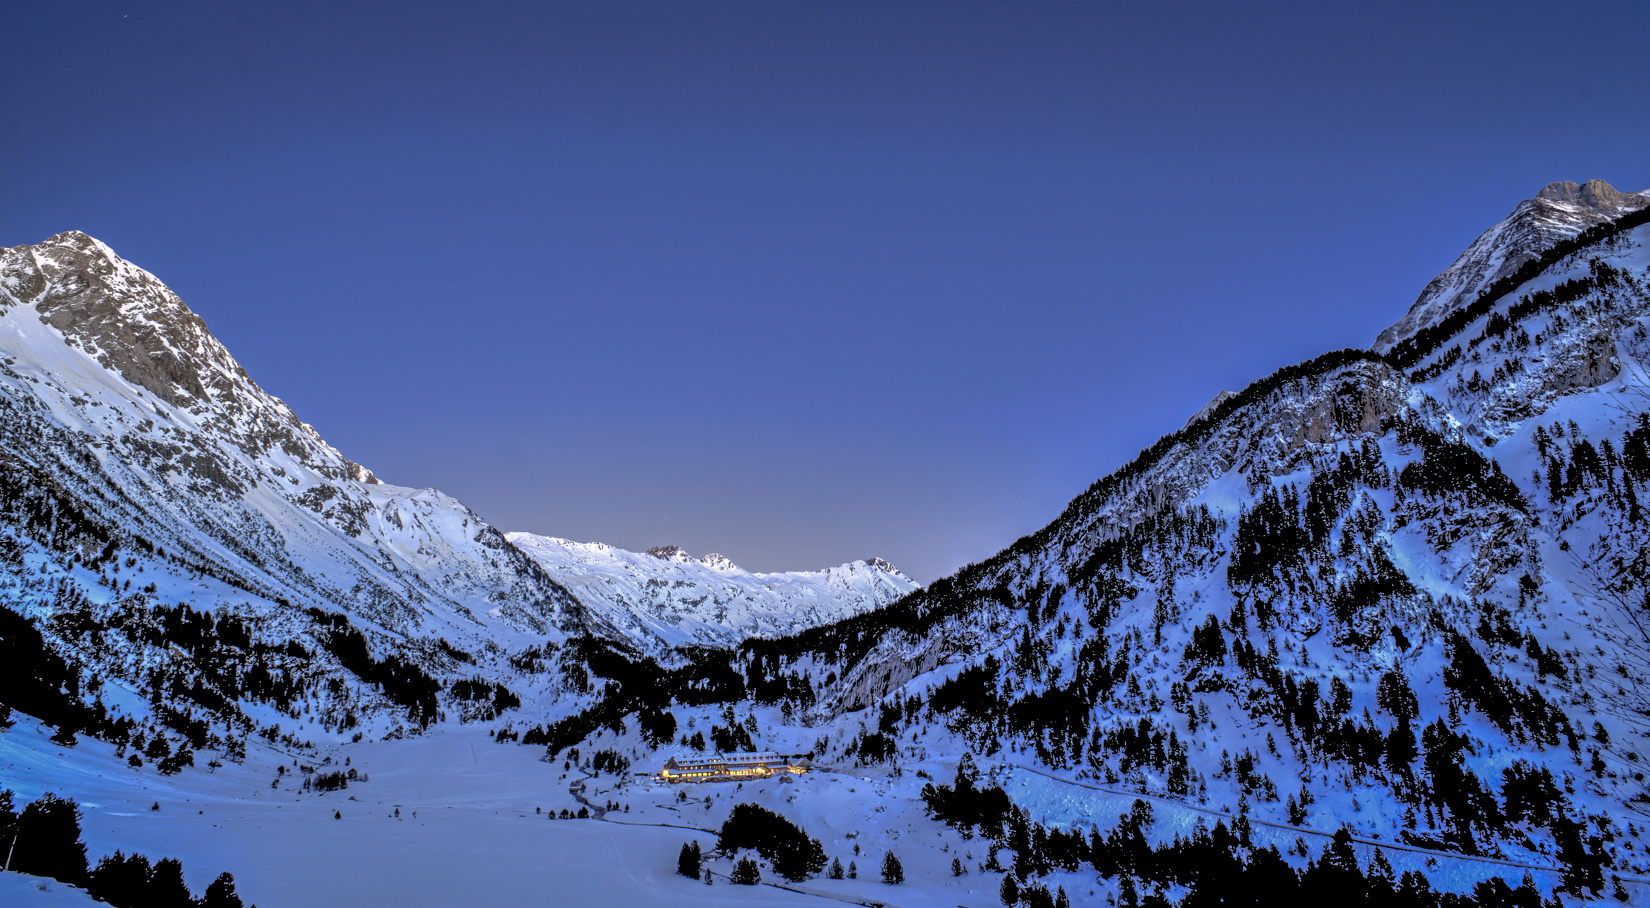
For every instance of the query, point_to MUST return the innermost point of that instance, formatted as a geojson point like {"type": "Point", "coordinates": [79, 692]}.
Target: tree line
{"type": "Point", "coordinates": [43, 839]}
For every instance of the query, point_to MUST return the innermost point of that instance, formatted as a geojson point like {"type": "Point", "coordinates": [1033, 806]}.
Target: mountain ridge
{"type": "Point", "coordinates": [1559, 211]}
{"type": "Point", "coordinates": [664, 598]}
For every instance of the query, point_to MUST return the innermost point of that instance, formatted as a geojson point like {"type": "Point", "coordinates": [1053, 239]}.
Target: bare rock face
{"type": "Point", "coordinates": [1596, 362]}
{"type": "Point", "coordinates": [121, 315]}
{"type": "Point", "coordinates": [1559, 211]}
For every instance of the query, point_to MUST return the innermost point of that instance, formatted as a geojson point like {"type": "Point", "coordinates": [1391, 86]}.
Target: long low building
{"type": "Point", "coordinates": [730, 767]}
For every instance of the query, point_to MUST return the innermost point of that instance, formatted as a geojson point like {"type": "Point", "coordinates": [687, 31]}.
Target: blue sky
{"type": "Point", "coordinates": [794, 282]}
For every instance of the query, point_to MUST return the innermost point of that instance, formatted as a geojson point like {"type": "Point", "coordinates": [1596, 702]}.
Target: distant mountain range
{"type": "Point", "coordinates": [666, 598]}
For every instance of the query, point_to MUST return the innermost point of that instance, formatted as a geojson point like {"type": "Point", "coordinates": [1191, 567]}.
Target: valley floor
{"type": "Point", "coordinates": [469, 830]}
{"type": "Point", "coordinates": [475, 827]}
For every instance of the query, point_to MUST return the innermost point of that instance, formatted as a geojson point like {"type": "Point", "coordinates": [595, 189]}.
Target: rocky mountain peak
{"type": "Point", "coordinates": [134, 326]}
{"type": "Point", "coordinates": [664, 597]}
{"type": "Point", "coordinates": [1595, 194]}
{"type": "Point", "coordinates": [121, 315]}
{"type": "Point", "coordinates": [1558, 212]}
{"type": "Point", "coordinates": [719, 562]}
{"type": "Point", "coordinates": [1209, 408]}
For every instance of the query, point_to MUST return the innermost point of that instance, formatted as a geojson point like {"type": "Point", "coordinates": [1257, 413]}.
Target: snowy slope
{"type": "Point", "coordinates": [1558, 211]}
{"type": "Point", "coordinates": [114, 391]}
{"type": "Point", "coordinates": [665, 598]}
{"type": "Point", "coordinates": [1342, 526]}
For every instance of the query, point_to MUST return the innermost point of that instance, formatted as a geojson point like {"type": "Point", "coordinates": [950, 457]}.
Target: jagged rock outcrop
{"type": "Point", "coordinates": [1559, 211]}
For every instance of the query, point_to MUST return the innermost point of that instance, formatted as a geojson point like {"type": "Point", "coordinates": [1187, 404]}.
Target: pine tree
{"type": "Point", "coordinates": [836, 868]}
{"type": "Point", "coordinates": [221, 894]}
{"type": "Point", "coordinates": [892, 873]}
{"type": "Point", "coordinates": [1400, 747]}
{"type": "Point", "coordinates": [48, 841]}
{"type": "Point", "coordinates": [8, 823]}
{"type": "Point", "coordinates": [957, 867]}
{"type": "Point", "coordinates": [786, 845]}
{"type": "Point", "coordinates": [1127, 895]}
{"type": "Point", "coordinates": [687, 863]}
{"type": "Point", "coordinates": [746, 873]}
{"type": "Point", "coordinates": [121, 880]}
{"type": "Point", "coordinates": [1009, 890]}
{"type": "Point", "coordinates": [166, 886]}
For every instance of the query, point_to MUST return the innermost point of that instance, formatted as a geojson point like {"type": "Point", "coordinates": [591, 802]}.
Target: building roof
{"type": "Point", "coordinates": [692, 756]}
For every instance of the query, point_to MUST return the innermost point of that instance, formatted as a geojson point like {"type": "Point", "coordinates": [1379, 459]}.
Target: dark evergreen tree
{"type": "Point", "coordinates": [166, 886]}
{"type": "Point", "coordinates": [786, 845]}
{"type": "Point", "coordinates": [36, 680]}
{"type": "Point", "coordinates": [48, 841]}
{"type": "Point", "coordinates": [221, 893]}
{"type": "Point", "coordinates": [1334, 879]}
{"type": "Point", "coordinates": [892, 872]}
{"type": "Point", "coordinates": [122, 881]}
{"type": "Point", "coordinates": [1269, 880]}
{"type": "Point", "coordinates": [1583, 858]}
{"type": "Point", "coordinates": [1400, 747]}
{"type": "Point", "coordinates": [687, 863]}
{"type": "Point", "coordinates": [8, 824]}
{"type": "Point", "coordinates": [746, 873]}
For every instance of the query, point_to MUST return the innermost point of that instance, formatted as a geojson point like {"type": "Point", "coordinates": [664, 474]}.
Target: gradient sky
{"type": "Point", "coordinates": [794, 282]}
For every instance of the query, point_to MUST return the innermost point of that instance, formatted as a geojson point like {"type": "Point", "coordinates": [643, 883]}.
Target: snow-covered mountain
{"type": "Point", "coordinates": [117, 397]}
{"type": "Point", "coordinates": [144, 470]}
{"type": "Point", "coordinates": [1400, 595]}
{"type": "Point", "coordinates": [665, 598]}
{"type": "Point", "coordinates": [1558, 212]}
